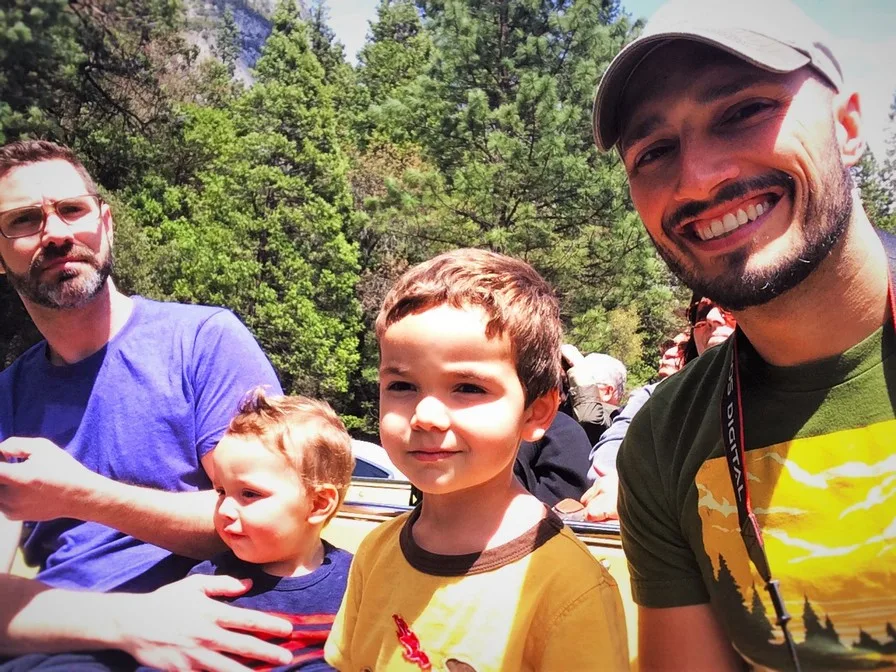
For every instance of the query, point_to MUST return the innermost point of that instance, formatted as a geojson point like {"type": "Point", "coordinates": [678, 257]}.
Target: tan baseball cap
{"type": "Point", "coordinates": [774, 35]}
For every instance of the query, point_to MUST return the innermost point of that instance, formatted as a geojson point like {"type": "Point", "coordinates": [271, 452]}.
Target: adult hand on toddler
{"type": "Point", "coordinates": [600, 499]}
{"type": "Point", "coordinates": [40, 481]}
{"type": "Point", "coordinates": [180, 627]}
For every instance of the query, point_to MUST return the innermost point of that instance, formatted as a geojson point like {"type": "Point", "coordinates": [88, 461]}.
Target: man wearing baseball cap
{"type": "Point", "coordinates": [758, 486]}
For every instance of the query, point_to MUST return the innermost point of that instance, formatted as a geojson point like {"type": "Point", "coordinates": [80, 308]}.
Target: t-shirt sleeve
{"type": "Point", "coordinates": [597, 612]}
{"type": "Point", "coordinates": [663, 569]}
{"type": "Point", "coordinates": [227, 363]}
{"type": "Point", "coordinates": [337, 650]}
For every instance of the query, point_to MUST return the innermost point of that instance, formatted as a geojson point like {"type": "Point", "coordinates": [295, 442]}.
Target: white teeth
{"type": "Point", "coordinates": [731, 221]}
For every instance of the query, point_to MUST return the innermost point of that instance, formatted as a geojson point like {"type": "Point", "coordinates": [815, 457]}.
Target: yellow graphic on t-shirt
{"type": "Point", "coordinates": [827, 509]}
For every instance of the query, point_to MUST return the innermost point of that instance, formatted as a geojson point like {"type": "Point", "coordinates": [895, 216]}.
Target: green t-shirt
{"type": "Point", "coordinates": [821, 464]}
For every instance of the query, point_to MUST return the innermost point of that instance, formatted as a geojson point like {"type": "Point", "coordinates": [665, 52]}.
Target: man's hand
{"type": "Point", "coordinates": [40, 481]}
{"type": "Point", "coordinates": [600, 498]}
{"type": "Point", "coordinates": [180, 627]}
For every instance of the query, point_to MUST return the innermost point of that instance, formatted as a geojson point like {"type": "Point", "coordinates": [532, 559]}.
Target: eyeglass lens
{"type": "Point", "coordinates": [28, 221]}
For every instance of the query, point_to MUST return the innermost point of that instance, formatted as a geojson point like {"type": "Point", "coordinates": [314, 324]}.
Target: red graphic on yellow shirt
{"type": "Point", "coordinates": [411, 643]}
{"type": "Point", "coordinates": [827, 509]}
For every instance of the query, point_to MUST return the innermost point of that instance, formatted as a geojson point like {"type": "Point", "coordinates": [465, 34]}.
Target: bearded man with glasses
{"type": "Point", "coordinates": [106, 433]}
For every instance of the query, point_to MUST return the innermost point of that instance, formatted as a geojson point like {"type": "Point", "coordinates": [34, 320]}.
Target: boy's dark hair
{"type": "Point", "coordinates": [519, 303]}
{"type": "Point", "coordinates": [25, 152]}
{"type": "Point", "coordinates": [306, 431]}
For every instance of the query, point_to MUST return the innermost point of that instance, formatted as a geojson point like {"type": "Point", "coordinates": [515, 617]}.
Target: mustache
{"type": "Point", "coordinates": [53, 252]}
{"type": "Point", "coordinates": [729, 192]}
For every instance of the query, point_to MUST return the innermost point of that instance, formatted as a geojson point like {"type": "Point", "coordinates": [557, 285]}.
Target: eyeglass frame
{"type": "Point", "coordinates": [48, 208]}
{"type": "Point", "coordinates": [695, 309]}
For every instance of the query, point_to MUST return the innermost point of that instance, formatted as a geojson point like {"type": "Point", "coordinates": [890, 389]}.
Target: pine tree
{"type": "Point", "coordinates": [398, 51]}
{"type": "Point", "coordinates": [260, 226]}
{"type": "Point", "coordinates": [228, 43]}
{"type": "Point", "coordinates": [762, 625]}
{"type": "Point", "coordinates": [878, 197]}
{"type": "Point", "coordinates": [866, 641]}
{"type": "Point", "coordinates": [811, 622]}
{"type": "Point", "coordinates": [727, 588]}
{"type": "Point", "coordinates": [502, 112]}
{"type": "Point", "coordinates": [830, 632]}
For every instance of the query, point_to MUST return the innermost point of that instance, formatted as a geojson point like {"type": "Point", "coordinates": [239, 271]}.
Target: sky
{"type": "Point", "coordinates": [864, 33]}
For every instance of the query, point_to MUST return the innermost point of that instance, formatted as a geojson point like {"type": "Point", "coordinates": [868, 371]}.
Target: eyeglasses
{"type": "Point", "coordinates": [701, 312]}
{"type": "Point", "coordinates": [31, 220]}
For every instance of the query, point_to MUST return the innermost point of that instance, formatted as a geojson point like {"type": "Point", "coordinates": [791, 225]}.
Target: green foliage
{"type": "Point", "coordinates": [228, 42]}
{"type": "Point", "coordinates": [877, 189]}
{"type": "Point", "coordinates": [259, 224]}
{"type": "Point", "coordinates": [297, 199]}
{"type": "Point", "coordinates": [39, 59]}
{"type": "Point", "coordinates": [498, 109]}
{"type": "Point", "coordinates": [398, 51]}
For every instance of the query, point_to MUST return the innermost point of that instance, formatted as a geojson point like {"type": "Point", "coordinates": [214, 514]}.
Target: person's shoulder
{"type": "Point", "coordinates": [181, 312]}
{"type": "Point", "coordinates": [699, 377]}
{"type": "Point", "coordinates": [567, 571]}
{"type": "Point", "coordinates": [24, 362]}
{"type": "Point", "coordinates": [338, 557]}
{"type": "Point", "coordinates": [578, 560]}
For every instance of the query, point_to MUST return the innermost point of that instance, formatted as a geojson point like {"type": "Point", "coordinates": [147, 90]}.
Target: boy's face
{"type": "Point", "coordinates": [452, 408]}
{"type": "Point", "coordinates": [263, 506]}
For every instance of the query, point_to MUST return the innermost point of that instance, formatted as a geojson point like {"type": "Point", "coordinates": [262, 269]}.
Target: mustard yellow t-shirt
{"type": "Point", "coordinates": [539, 602]}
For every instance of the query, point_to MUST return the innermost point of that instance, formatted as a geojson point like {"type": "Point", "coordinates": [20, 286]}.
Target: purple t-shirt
{"type": "Point", "coordinates": [142, 410]}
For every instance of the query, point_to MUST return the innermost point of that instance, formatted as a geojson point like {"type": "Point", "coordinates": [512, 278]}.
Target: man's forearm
{"type": "Point", "coordinates": [181, 522]}
{"type": "Point", "coordinates": [80, 621]}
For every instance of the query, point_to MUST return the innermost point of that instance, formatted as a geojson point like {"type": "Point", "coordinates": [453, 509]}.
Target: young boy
{"type": "Point", "coordinates": [481, 576]}
{"type": "Point", "coordinates": [281, 472]}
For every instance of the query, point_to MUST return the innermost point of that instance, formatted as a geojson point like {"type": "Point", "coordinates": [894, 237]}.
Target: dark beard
{"type": "Point", "coordinates": [67, 290]}
{"type": "Point", "coordinates": [826, 219]}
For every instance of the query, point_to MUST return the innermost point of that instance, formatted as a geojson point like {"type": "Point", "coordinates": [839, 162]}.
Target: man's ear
{"type": "Point", "coordinates": [324, 503]}
{"type": "Point", "coordinates": [850, 128]}
{"type": "Point", "coordinates": [540, 414]}
{"type": "Point", "coordinates": [108, 222]}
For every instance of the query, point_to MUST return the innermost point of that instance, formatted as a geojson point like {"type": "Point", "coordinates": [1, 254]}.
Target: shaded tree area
{"type": "Point", "coordinates": [296, 198]}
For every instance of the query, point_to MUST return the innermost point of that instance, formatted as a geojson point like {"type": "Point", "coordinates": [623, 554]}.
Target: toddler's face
{"type": "Point", "coordinates": [262, 506]}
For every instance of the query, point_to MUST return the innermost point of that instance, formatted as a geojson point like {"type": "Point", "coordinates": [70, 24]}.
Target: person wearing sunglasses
{"type": "Point", "coordinates": [756, 485]}
{"type": "Point", "coordinates": [710, 325]}
{"type": "Point", "coordinates": [106, 432]}
{"type": "Point", "coordinates": [672, 355]}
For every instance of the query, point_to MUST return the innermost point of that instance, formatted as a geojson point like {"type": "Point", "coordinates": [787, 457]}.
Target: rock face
{"type": "Point", "coordinates": [253, 18]}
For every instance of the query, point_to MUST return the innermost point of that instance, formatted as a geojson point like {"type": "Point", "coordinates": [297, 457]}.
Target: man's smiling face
{"type": "Point", "coordinates": [735, 171]}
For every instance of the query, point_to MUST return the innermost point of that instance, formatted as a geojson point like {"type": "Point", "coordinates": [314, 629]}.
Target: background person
{"type": "Point", "coordinates": [596, 388]}
{"type": "Point", "coordinates": [122, 405]}
{"type": "Point", "coordinates": [737, 132]}
{"type": "Point", "coordinates": [672, 355]}
{"type": "Point", "coordinates": [555, 467]}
